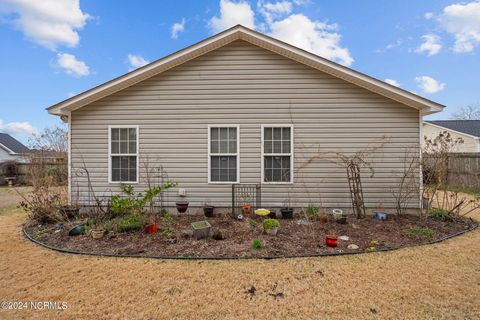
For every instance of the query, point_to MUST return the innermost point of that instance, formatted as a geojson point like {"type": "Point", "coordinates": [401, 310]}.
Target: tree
{"type": "Point", "coordinates": [52, 142]}
{"type": "Point", "coordinates": [470, 112]}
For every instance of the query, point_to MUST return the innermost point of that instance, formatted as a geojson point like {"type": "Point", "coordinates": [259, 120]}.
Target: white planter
{"type": "Point", "coordinates": [272, 232]}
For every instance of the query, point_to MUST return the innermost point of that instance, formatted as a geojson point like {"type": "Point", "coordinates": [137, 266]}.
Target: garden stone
{"type": "Point", "coordinates": [303, 222]}
{"type": "Point", "coordinates": [344, 238]}
{"type": "Point", "coordinates": [352, 246]}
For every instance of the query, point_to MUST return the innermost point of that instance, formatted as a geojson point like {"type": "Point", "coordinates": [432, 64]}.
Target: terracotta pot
{"type": "Point", "coordinates": [247, 209]}
{"type": "Point", "coordinates": [182, 206]}
{"type": "Point", "coordinates": [331, 240]}
{"type": "Point", "coordinates": [97, 234]}
{"type": "Point", "coordinates": [151, 228]}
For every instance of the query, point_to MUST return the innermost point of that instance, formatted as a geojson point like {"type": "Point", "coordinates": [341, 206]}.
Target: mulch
{"type": "Point", "coordinates": [294, 238]}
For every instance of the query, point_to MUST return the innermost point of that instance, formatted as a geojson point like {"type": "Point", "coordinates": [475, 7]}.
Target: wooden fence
{"type": "Point", "coordinates": [463, 170]}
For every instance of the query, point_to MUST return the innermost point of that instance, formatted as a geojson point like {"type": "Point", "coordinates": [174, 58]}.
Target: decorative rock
{"type": "Point", "coordinates": [352, 246]}
{"type": "Point", "coordinates": [303, 222]}
{"type": "Point", "coordinates": [240, 217]}
{"type": "Point", "coordinates": [344, 238]}
{"type": "Point", "coordinates": [354, 226]}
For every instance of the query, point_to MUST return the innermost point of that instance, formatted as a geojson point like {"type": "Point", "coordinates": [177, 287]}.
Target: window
{"type": "Point", "coordinates": [123, 154]}
{"type": "Point", "coordinates": [223, 154]}
{"type": "Point", "coordinates": [277, 154]}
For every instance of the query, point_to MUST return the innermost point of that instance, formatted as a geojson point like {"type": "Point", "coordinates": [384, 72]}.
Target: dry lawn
{"type": "Point", "coordinates": [439, 281]}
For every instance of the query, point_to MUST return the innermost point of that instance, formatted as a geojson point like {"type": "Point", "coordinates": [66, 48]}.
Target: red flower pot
{"type": "Point", "coordinates": [331, 241]}
{"type": "Point", "coordinates": [151, 228]}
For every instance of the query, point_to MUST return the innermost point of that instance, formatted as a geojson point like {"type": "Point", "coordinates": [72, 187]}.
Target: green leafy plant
{"type": "Point", "coordinates": [269, 224]}
{"type": "Point", "coordinates": [312, 210]}
{"type": "Point", "coordinates": [256, 244]}
{"type": "Point", "coordinates": [167, 232]}
{"type": "Point", "coordinates": [420, 232]}
{"type": "Point", "coordinates": [131, 202]}
{"type": "Point", "coordinates": [440, 214]}
{"type": "Point", "coordinates": [131, 223]}
{"type": "Point", "coordinates": [252, 222]}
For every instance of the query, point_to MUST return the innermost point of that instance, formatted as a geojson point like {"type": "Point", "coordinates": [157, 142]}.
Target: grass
{"type": "Point", "coordinates": [471, 191]}
{"type": "Point", "coordinates": [438, 281]}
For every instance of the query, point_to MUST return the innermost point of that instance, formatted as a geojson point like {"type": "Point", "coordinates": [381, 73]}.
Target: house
{"type": "Point", "coordinates": [11, 149]}
{"type": "Point", "coordinates": [468, 130]}
{"type": "Point", "coordinates": [243, 108]}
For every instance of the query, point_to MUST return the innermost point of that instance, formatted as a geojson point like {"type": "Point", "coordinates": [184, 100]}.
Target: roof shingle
{"type": "Point", "coordinates": [471, 127]}
{"type": "Point", "coordinates": [12, 143]}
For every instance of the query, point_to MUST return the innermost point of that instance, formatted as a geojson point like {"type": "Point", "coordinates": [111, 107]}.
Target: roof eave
{"type": "Point", "coordinates": [235, 33]}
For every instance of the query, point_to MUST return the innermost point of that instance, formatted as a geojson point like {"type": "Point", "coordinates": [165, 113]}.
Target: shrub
{"type": "Point", "coordinates": [252, 222]}
{"type": "Point", "coordinates": [167, 232]}
{"type": "Point", "coordinates": [440, 214]}
{"type": "Point", "coordinates": [420, 232]}
{"type": "Point", "coordinates": [256, 244]}
{"type": "Point", "coordinates": [270, 224]}
{"type": "Point", "coordinates": [131, 223]}
{"type": "Point", "coordinates": [312, 210]}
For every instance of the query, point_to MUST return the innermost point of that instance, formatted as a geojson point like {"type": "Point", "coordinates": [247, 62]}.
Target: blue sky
{"type": "Point", "coordinates": [51, 50]}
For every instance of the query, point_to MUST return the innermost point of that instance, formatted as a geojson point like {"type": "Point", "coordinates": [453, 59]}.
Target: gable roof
{"type": "Point", "coordinates": [240, 32]}
{"type": "Point", "coordinates": [470, 127]}
{"type": "Point", "coordinates": [11, 144]}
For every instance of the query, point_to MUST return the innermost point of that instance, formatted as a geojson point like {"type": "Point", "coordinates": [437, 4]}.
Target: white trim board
{"type": "Point", "coordinates": [239, 32]}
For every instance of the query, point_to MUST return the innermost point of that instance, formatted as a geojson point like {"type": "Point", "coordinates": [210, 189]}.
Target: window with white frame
{"type": "Point", "coordinates": [277, 154]}
{"type": "Point", "coordinates": [123, 147]}
{"type": "Point", "coordinates": [223, 154]}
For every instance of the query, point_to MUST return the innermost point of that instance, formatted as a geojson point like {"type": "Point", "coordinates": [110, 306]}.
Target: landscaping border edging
{"type": "Point", "coordinates": [61, 250]}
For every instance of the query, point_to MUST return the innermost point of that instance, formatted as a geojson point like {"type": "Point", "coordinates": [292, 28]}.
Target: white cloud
{"type": "Point", "coordinates": [233, 13]}
{"type": "Point", "coordinates": [297, 29]}
{"type": "Point", "coordinates": [136, 61]}
{"type": "Point", "coordinates": [71, 65]}
{"type": "Point", "coordinates": [314, 36]}
{"type": "Point", "coordinates": [431, 44]}
{"type": "Point", "coordinates": [177, 28]}
{"type": "Point", "coordinates": [428, 15]}
{"type": "Point", "coordinates": [392, 82]}
{"type": "Point", "coordinates": [49, 23]}
{"type": "Point", "coordinates": [463, 22]}
{"type": "Point", "coordinates": [429, 85]}
{"type": "Point", "coordinates": [20, 128]}
{"type": "Point", "coordinates": [272, 11]}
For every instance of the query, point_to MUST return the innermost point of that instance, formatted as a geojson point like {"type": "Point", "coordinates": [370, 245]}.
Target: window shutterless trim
{"type": "Point", "coordinates": [276, 154]}
{"type": "Point", "coordinates": [110, 127]}
{"type": "Point", "coordinates": [237, 154]}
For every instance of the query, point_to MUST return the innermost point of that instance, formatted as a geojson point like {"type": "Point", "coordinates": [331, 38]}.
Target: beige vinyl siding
{"type": "Point", "coordinates": [470, 144]}
{"type": "Point", "coordinates": [241, 84]}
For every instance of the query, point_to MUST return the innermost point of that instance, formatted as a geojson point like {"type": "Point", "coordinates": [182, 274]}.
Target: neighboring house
{"type": "Point", "coordinates": [241, 107]}
{"type": "Point", "coordinates": [468, 130]}
{"type": "Point", "coordinates": [11, 149]}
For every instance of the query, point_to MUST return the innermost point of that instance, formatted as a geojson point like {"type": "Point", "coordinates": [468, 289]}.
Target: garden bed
{"type": "Point", "coordinates": [297, 237]}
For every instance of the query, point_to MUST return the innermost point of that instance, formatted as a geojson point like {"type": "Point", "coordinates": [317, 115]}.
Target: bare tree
{"type": "Point", "coordinates": [470, 112]}
{"type": "Point", "coordinates": [52, 141]}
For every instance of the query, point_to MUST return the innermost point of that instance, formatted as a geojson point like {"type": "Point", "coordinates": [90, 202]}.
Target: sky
{"type": "Point", "coordinates": [51, 50]}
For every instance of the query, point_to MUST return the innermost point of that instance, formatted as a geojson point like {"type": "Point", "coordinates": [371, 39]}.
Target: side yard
{"type": "Point", "coordinates": [439, 281]}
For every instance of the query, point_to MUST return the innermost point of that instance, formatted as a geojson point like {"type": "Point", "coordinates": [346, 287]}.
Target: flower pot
{"type": "Point", "coordinates": [69, 212]}
{"type": "Point", "coordinates": [342, 220]}
{"type": "Point", "coordinates": [272, 214]}
{"type": "Point", "coordinates": [201, 229]}
{"type": "Point", "coordinates": [247, 209]}
{"type": "Point", "coordinates": [271, 232]}
{"type": "Point", "coordinates": [182, 206]}
{"type": "Point", "coordinates": [208, 211]}
{"type": "Point", "coordinates": [287, 213]}
{"type": "Point", "coordinates": [151, 228]}
{"type": "Point", "coordinates": [331, 240]}
{"type": "Point", "coordinates": [98, 234]}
